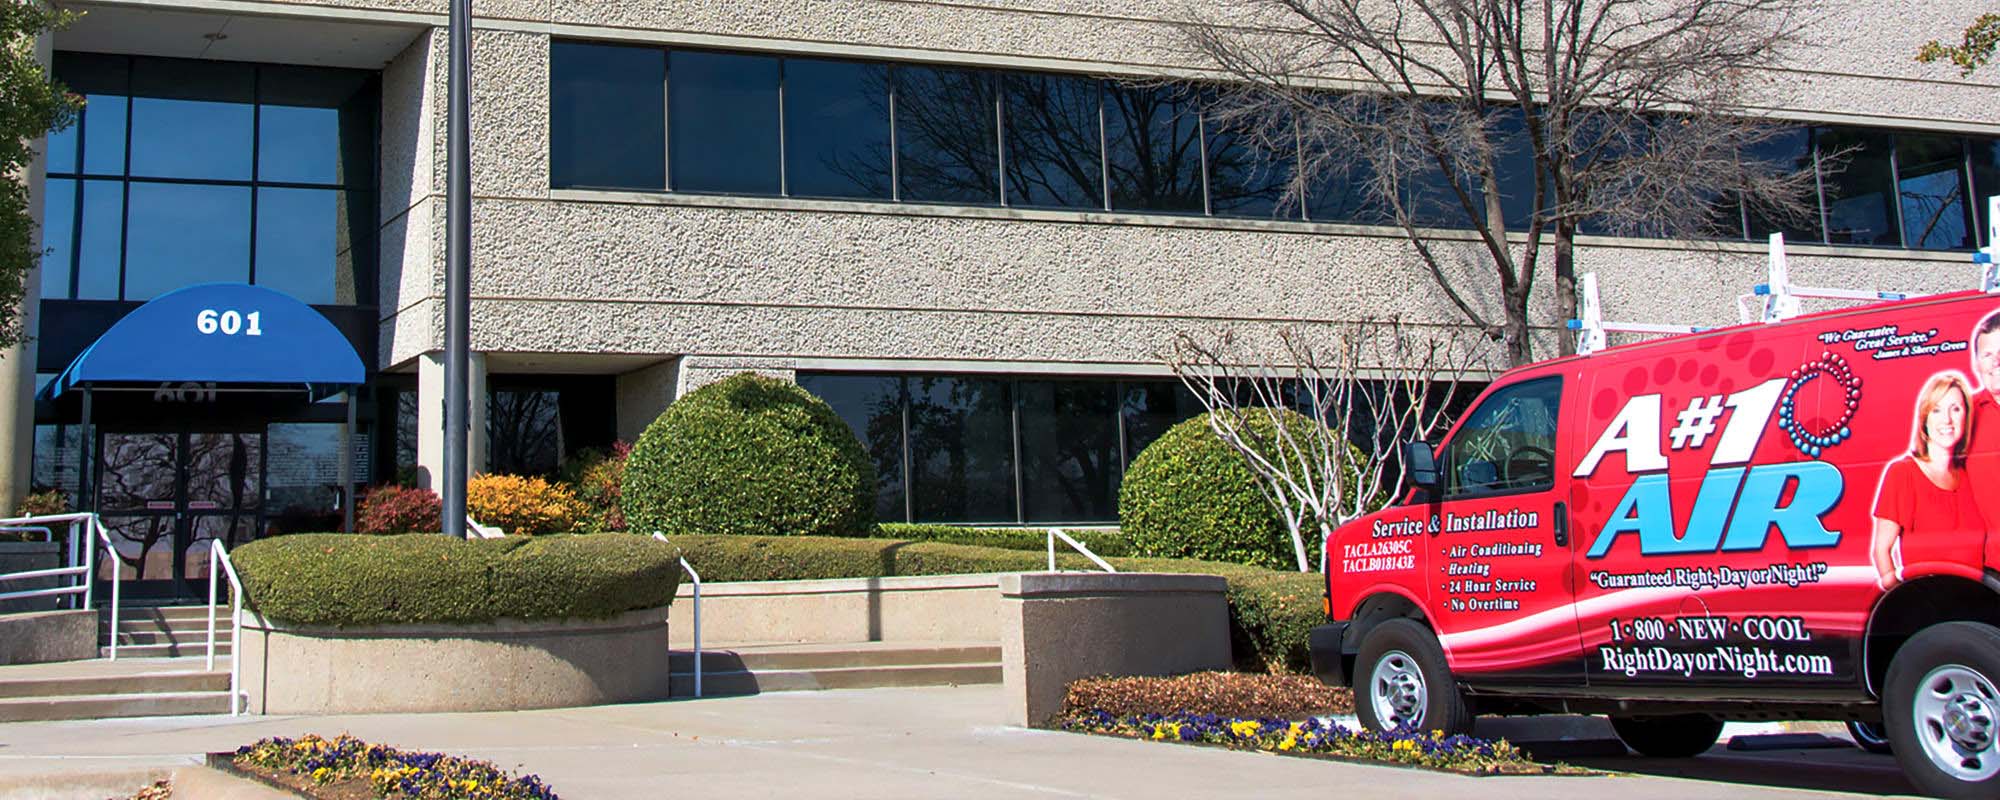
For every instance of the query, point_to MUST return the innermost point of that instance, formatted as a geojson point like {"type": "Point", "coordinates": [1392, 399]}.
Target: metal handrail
{"type": "Point", "coordinates": [483, 531]}
{"type": "Point", "coordinates": [696, 577]}
{"type": "Point", "coordinates": [219, 563]}
{"type": "Point", "coordinates": [1057, 533]}
{"type": "Point", "coordinates": [87, 570]}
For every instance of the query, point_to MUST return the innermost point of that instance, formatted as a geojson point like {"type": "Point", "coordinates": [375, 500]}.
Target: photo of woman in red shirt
{"type": "Point", "coordinates": [1924, 508]}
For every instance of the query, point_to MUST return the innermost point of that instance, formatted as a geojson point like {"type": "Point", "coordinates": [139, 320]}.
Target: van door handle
{"type": "Point", "coordinates": [1561, 525]}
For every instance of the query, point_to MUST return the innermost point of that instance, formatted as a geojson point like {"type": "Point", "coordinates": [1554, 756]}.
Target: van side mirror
{"type": "Point", "coordinates": [1421, 462]}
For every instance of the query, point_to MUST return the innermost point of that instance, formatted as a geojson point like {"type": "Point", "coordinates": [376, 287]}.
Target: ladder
{"type": "Point", "coordinates": [1775, 300]}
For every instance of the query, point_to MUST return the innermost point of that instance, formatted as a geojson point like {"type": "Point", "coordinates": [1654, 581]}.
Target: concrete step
{"type": "Point", "coordinates": [198, 637]}
{"type": "Point", "coordinates": [146, 683]}
{"type": "Point", "coordinates": [182, 649]}
{"type": "Point", "coordinates": [754, 682]}
{"type": "Point", "coordinates": [103, 706]}
{"type": "Point", "coordinates": [163, 613]}
{"type": "Point", "coordinates": [756, 658]}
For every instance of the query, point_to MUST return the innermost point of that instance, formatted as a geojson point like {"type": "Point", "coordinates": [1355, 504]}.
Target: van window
{"type": "Point", "coordinates": [1508, 442]}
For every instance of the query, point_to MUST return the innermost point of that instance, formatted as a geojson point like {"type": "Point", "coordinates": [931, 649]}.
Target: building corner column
{"type": "Point", "coordinates": [17, 363]}
{"type": "Point", "coordinates": [430, 417]}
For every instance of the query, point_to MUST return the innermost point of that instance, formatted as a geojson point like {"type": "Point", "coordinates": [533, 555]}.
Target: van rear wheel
{"type": "Point", "coordinates": [1676, 736]}
{"type": "Point", "coordinates": [1401, 681]}
{"type": "Point", "coordinates": [1941, 702]}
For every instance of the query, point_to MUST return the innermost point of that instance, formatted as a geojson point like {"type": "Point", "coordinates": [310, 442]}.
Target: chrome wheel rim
{"type": "Point", "coordinates": [1954, 713]}
{"type": "Point", "coordinates": [1397, 692]}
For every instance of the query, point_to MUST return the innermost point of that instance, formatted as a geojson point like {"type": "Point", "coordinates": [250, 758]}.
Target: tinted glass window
{"type": "Point", "coordinates": [1985, 177]}
{"type": "Point", "coordinates": [1514, 169]}
{"type": "Point", "coordinates": [947, 136]}
{"type": "Point", "coordinates": [1787, 152]}
{"type": "Point", "coordinates": [836, 129]}
{"type": "Point", "coordinates": [59, 211]}
{"type": "Point", "coordinates": [61, 148]}
{"type": "Point", "coordinates": [1508, 443]}
{"type": "Point", "coordinates": [1055, 154]}
{"type": "Point", "coordinates": [1860, 192]}
{"type": "Point", "coordinates": [99, 240]}
{"type": "Point", "coordinates": [607, 116]}
{"type": "Point", "coordinates": [524, 431]}
{"type": "Point", "coordinates": [1069, 450]}
{"type": "Point", "coordinates": [1339, 193]}
{"type": "Point", "coordinates": [961, 450]}
{"type": "Point", "coordinates": [872, 406]}
{"type": "Point", "coordinates": [724, 112]}
{"type": "Point", "coordinates": [1930, 182]}
{"type": "Point", "coordinates": [1153, 138]}
{"type": "Point", "coordinates": [102, 127]}
{"type": "Point", "coordinates": [182, 234]}
{"type": "Point", "coordinates": [315, 126]}
{"type": "Point", "coordinates": [1245, 180]}
{"type": "Point", "coordinates": [1150, 408]}
{"type": "Point", "coordinates": [305, 244]}
{"type": "Point", "coordinates": [192, 119]}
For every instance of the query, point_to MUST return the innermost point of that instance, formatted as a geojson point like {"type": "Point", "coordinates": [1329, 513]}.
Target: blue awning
{"type": "Point", "coordinates": [223, 333]}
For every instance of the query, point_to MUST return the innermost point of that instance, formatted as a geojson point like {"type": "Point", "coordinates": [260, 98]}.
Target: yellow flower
{"type": "Point", "coordinates": [1404, 745]}
{"type": "Point", "coordinates": [319, 775]}
{"type": "Point", "coordinates": [1290, 742]}
{"type": "Point", "coordinates": [1248, 727]}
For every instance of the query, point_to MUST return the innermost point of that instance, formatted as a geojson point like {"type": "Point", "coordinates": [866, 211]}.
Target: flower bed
{"type": "Point", "coordinates": [346, 767]}
{"type": "Point", "coordinates": [1229, 694]}
{"type": "Point", "coordinates": [1433, 750]}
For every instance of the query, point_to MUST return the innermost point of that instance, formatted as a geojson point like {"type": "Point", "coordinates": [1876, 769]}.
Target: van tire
{"type": "Point", "coordinates": [1947, 670]}
{"type": "Point", "coordinates": [1406, 656]}
{"type": "Point", "coordinates": [1676, 736]}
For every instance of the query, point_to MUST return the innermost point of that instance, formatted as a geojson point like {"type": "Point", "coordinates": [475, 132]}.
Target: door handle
{"type": "Point", "coordinates": [1561, 524]}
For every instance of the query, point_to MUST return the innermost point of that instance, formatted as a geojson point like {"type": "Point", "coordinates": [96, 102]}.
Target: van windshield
{"type": "Point", "coordinates": [1507, 443]}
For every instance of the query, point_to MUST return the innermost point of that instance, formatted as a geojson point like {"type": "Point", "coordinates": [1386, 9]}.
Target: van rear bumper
{"type": "Point", "coordinates": [1328, 662]}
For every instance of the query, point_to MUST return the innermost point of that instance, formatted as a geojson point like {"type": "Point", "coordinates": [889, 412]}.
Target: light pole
{"type": "Point", "coordinates": [458, 268]}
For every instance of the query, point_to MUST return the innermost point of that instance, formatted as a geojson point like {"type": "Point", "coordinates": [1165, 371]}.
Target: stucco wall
{"type": "Point", "coordinates": [753, 280]}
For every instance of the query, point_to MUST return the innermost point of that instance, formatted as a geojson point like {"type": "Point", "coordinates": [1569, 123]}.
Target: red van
{"type": "Point", "coordinates": [1790, 520]}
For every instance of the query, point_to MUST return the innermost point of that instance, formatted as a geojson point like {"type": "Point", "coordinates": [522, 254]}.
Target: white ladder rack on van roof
{"type": "Point", "coordinates": [1780, 298]}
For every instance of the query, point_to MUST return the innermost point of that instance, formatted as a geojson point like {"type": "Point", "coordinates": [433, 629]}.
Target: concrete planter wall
{"type": "Point", "coordinates": [930, 608]}
{"type": "Point", "coordinates": [1058, 627]}
{"type": "Point", "coordinates": [28, 557]}
{"type": "Point", "coordinates": [503, 665]}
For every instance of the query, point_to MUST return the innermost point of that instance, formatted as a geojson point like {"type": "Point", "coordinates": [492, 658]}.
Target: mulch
{"type": "Point", "coordinates": [1228, 694]}
{"type": "Point", "coordinates": [351, 789]}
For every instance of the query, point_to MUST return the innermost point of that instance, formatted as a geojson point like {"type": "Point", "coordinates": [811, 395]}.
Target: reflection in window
{"type": "Point", "coordinates": [592, 85]}
{"type": "Point", "coordinates": [1248, 181]}
{"type": "Point", "coordinates": [961, 450]}
{"type": "Point", "coordinates": [99, 242]}
{"type": "Point", "coordinates": [1150, 408]}
{"type": "Point", "coordinates": [1787, 152]}
{"type": "Point", "coordinates": [302, 476]}
{"type": "Point", "coordinates": [1069, 450]}
{"type": "Point", "coordinates": [1055, 153]}
{"type": "Point", "coordinates": [1514, 168]}
{"type": "Point", "coordinates": [1339, 193]}
{"type": "Point", "coordinates": [192, 119]}
{"type": "Point", "coordinates": [1860, 196]}
{"type": "Point", "coordinates": [1930, 185]}
{"type": "Point", "coordinates": [1508, 443]}
{"type": "Point", "coordinates": [1153, 141]}
{"type": "Point", "coordinates": [836, 129]}
{"type": "Point", "coordinates": [304, 247]}
{"type": "Point", "coordinates": [872, 406]}
{"type": "Point", "coordinates": [947, 145]}
{"type": "Point", "coordinates": [183, 234]}
{"type": "Point", "coordinates": [524, 432]}
{"type": "Point", "coordinates": [724, 118]}
{"type": "Point", "coordinates": [59, 208]}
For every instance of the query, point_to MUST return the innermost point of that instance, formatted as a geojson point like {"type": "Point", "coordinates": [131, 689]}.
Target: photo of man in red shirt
{"type": "Point", "coordinates": [1982, 460]}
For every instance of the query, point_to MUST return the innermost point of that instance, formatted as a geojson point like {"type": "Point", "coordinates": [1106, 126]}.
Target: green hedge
{"type": "Point", "coordinates": [1103, 543]}
{"type": "Point", "coordinates": [749, 455]}
{"type": "Point", "coordinates": [1270, 611]}
{"type": "Point", "coordinates": [1189, 495]}
{"type": "Point", "coordinates": [356, 580]}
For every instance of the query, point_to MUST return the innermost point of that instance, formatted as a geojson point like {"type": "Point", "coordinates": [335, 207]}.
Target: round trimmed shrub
{"type": "Point", "coordinates": [1189, 495]}
{"type": "Point", "coordinates": [749, 455]}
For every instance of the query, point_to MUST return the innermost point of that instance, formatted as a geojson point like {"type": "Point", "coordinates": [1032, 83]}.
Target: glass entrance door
{"type": "Point", "coordinates": [166, 496]}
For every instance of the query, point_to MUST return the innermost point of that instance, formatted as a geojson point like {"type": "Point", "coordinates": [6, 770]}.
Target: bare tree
{"type": "Point", "coordinates": [1525, 121]}
{"type": "Point", "coordinates": [1317, 420]}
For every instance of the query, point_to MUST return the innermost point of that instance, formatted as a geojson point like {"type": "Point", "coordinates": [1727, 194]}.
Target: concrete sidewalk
{"type": "Point", "coordinates": [876, 743]}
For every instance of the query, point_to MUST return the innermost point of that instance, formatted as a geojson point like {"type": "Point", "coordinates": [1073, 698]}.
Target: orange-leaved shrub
{"type": "Point", "coordinates": [398, 509]}
{"type": "Point", "coordinates": [520, 505]}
